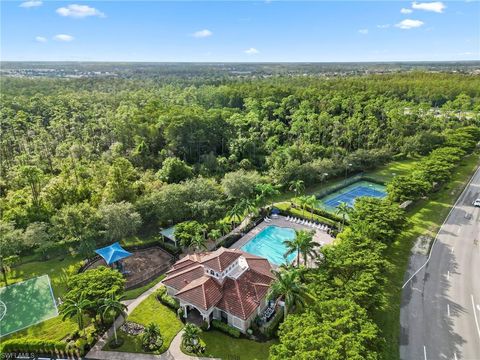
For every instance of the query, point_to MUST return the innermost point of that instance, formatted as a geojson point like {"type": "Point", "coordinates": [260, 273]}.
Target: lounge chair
{"type": "Point", "coordinates": [267, 219]}
{"type": "Point", "coordinates": [288, 218]}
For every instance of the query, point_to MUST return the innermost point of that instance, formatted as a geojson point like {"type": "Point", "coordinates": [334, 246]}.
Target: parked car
{"type": "Point", "coordinates": [476, 203]}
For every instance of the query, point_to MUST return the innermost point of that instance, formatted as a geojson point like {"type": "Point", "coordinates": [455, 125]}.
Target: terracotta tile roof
{"type": "Point", "coordinates": [242, 296]}
{"type": "Point", "coordinates": [203, 292]}
{"type": "Point", "coordinates": [239, 297]}
{"type": "Point", "coordinates": [220, 259]}
{"type": "Point", "coordinates": [182, 278]}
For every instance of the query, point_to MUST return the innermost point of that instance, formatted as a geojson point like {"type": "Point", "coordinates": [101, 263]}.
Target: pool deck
{"type": "Point", "coordinates": [320, 237]}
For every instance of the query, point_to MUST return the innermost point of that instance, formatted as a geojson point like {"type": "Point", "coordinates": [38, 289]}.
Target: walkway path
{"type": "Point", "coordinates": [173, 352]}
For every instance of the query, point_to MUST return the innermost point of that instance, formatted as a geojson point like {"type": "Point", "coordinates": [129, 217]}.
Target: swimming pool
{"type": "Point", "coordinates": [268, 244]}
{"type": "Point", "coordinates": [349, 193]}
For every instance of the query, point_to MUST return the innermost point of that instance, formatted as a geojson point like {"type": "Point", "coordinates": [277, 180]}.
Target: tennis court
{"type": "Point", "coordinates": [25, 304]}
{"type": "Point", "coordinates": [349, 193]}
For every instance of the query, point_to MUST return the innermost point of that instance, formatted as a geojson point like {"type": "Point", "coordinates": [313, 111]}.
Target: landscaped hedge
{"type": "Point", "coordinates": [288, 210]}
{"type": "Point", "coordinates": [227, 329]}
{"type": "Point", "coordinates": [165, 299]}
{"type": "Point", "coordinates": [319, 212]}
{"type": "Point", "coordinates": [229, 240]}
{"type": "Point", "coordinates": [270, 330]}
{"type": "Point", "coordinates": [31, 345]}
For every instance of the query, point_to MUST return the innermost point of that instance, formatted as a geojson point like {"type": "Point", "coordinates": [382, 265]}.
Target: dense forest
{"type": "Point", "coordinates": [177, 151]}
{"type": "Point", "coordinates": [88, 161]}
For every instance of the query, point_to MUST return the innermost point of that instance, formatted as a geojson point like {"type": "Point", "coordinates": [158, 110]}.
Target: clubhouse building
{"type": "Point", "coordinates": [227, 284]}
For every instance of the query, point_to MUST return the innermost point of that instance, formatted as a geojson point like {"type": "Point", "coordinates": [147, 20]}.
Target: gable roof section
{"type": "Point", "coordinates": [220, 259]}
{"type": "Point", "coordinates": [183, 277]}
{"type": "Point", "coordinates": [203, 292]}
{"type": "Point", "coordinates": [242, 296]}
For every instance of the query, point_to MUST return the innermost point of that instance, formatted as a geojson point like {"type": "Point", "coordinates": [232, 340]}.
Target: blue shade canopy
{"type": "Point", "coordinates": [113, 253]}
{"type": "Point", "coordinates": [275, 211]}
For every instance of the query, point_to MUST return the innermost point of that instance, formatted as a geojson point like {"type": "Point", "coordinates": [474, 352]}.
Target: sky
{"type": "Point", "coordinates": [245, 31]}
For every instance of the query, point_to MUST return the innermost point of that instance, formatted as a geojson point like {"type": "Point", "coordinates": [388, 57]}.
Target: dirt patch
{"type": "Point", "coordinates": [422, 245]}
{"type": "Point", "coordinates": [143, 265]}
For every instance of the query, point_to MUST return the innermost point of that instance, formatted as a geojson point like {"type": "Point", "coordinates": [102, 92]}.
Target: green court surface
{"type": "Point", "coordinates": [25, 304]}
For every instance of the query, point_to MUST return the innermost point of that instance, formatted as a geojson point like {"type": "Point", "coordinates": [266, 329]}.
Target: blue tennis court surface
{"type": "Point", "coordinates": [349, 193]}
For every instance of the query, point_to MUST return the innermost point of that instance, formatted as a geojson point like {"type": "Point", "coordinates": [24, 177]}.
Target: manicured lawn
{"type": "Point", "coordinates": [53, 268]}
{"type": "Point", "coordinates": [52, 329]}
{"type": "Point", "coordinates": [220, 345]}
{"type": "Point", "coordinates": [134, 293]}
{"type": "Point", "coordinates": [151, 310]}
{"type": "Point", "coordinates": [386, 173]}
{"type": "Point", "coordinates": [425, 218]}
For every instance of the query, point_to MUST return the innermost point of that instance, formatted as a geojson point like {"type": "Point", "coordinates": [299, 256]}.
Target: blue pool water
{"type": "Point", "coordinates": [349, 193]}
{"type": "Point", "coordinates": [269, 244]}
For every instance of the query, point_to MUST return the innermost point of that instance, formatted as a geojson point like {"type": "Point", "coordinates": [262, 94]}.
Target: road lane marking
{"type": "Point", "coordinates": [475, 315]}
{"type": "Point", "coordinates": [455, 355]}
{"type": "Point", "coordinates": [444, 221]}
{"type": "Point", "coordinates": [448, 275]}
{"type": "Point", "coordinates": [448, 309]}
{"type": "Point", "coordinates": [424, 352]}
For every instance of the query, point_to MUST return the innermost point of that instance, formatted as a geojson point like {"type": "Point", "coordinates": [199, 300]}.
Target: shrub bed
{"type": "Point", "coordinates": [227, 329]}
{"type": "Point", "coordinates": [165, 299]}
{"type": "Point", "coordinates": [37, 346]}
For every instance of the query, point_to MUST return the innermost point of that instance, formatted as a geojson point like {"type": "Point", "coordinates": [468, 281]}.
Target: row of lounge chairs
{"type": "Point", "coordinates": [312, 224]}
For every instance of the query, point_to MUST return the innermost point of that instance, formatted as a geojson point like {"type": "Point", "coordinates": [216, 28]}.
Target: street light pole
{"type": "Point", "coordinates": [346, 170]}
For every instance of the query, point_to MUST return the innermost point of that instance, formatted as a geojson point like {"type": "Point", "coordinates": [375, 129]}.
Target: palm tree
{"type": "Point", "coordinates": [113, 305]}
{"type": "Point", "coordinates": [235, 214]}
{"type": "Point", "coordinates": [297, 186]}
{"type": "Point", "coordinates": [223, 227]}
{"type": "Point", "coordinates": [190, 334]}
{"type": "Point", "coordinates": [267, 191]}
{"type": "Point", "coordinates": [214, 234]}
{"type": "Point", "coordinates": [198, 242]}
{"type": "Point", "coordinates": [248, 206]}
{"type": "Point", "coordinates": [152, 338]}
{"type": "Point", "coordinates": [311, 203]}
{"type": "Point", "coordinates": [287, 285]}
{"type": "Point", "coordinates": [303, 202]}
{"type": "Point", "coordinates": [307, 246]}
{"type": "Point", "coordinates": [293, 245]}
{"type": "Point", "coordinates": [343, 209]}
{"type": "Point", "coordinates": [75, 308]}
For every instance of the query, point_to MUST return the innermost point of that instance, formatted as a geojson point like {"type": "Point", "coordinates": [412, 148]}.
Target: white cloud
{"type": "Point", "coordinates": [202, 33]}
{"type": "Point", "coordinates": [383, 26]}
{"type": "Point", "coordinates": [31, 3]}
{"type": "Point", "coordinates": [79, 11]}
{"type": "Point", "coordinates": [406, 11]}
{"type": "Point", "coordinates": [41, 39]}
{"type": "Point", "coordinates": [436, 6]}
{"type": "Point", "coordinates": [63, 37]}
{"type": "Point", "coordinates": [363, 31]}
{"type": "Point", "coordinates": [251, 51]}
{"type": "Point", "coordinates": [409, 24]}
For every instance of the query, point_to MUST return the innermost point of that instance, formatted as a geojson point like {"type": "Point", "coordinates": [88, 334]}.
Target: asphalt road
{"type": "Point", "coordinates": [440, 310]}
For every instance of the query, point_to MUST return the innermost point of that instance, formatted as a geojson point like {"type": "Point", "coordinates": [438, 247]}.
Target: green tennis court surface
{"type": "Point", "coordinates": [25, 304]}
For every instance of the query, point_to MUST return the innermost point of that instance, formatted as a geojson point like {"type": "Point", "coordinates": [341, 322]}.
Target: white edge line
{"type": "Point", "coordinates": [53, 296]}
{"type": "Point", "coordinates": [424, 352]}
{"type": "Point", "coordinates": [23, 281]}
{"type": "Point", "coordinates": [475, 315]}
{"type": "Point", "coordinates": [38, 322]}
{"type": "Point", "coordinates": [438, 232]}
